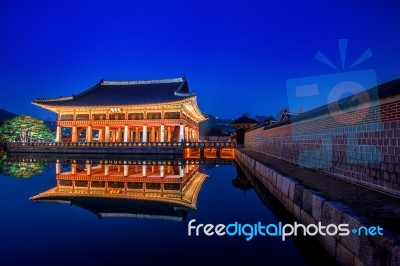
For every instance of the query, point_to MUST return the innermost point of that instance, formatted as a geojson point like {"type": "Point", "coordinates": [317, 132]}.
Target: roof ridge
{"type": "Point", "coordinates": [139, 82]}
{"type": "Point", "coordinates": [183, 94]}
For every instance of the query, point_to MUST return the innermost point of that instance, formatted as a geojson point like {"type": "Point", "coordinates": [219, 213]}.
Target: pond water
{"type": "Point", "coordinates": [104, 212]}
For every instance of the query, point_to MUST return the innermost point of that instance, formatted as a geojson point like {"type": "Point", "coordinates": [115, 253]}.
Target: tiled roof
{"type": "Point", "coordinates": [107, 93]}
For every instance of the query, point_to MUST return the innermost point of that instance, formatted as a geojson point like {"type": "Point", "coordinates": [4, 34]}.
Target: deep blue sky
{"type": "Point", "coordinates": [236, 55]}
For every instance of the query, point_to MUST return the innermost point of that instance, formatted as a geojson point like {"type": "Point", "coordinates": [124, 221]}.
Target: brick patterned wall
{"type": "Point", "coordinates": [362, 146]}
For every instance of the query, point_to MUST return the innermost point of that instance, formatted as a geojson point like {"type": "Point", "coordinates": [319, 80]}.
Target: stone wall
{"type": "Point", "coordinates": [359, 143]}
{"type": "Point", "coordinates": [309, 207]}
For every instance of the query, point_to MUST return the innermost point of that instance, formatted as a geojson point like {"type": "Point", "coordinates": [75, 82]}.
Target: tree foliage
{"type": "Point", "coordinates": [25, 128]}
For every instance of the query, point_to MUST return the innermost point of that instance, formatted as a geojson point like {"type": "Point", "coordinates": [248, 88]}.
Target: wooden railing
{"type": "Point", "coordinates": [209, 144]}
{"type": "Point", "coordinates": [128, 144]}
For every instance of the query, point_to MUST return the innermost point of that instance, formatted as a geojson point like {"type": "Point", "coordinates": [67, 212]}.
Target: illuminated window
{"type": "Point", "coordinates": [154, 115]}
{"type": "Point", "coordinates": [172, 115]}
{"type": "Point", "coordinates": [117, 116]}
{"type": "Point", "coordinates": [135, 116]}
{"type": "Point", "coordinates": [99, 116]}
{"type": "Point", "coordinates": [67, 117]}
{"type": "Point", "coordinates": [82, 117]}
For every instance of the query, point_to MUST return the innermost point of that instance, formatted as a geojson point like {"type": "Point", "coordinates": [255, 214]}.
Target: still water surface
{"type": "Point", "coordinates": [49, 233]}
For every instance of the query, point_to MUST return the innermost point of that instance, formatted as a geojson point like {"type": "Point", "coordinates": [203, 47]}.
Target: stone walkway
{"type": "Point", "coordinates": [372, 208]}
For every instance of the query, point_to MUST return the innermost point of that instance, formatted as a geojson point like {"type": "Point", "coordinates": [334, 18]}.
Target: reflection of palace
{"type": "Point", "coordinates": [162, 191]}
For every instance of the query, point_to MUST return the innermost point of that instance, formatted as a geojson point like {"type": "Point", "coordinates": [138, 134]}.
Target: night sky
{"type": "Point", "coordinates": [236, 55]}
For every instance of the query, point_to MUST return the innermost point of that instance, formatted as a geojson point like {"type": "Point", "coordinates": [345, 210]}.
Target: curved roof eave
{"type": "Point", "coordinates": [54, 108]}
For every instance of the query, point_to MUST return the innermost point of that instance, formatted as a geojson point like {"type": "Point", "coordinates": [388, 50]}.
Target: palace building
{"type": "Point", "coordinates": [128, 111]}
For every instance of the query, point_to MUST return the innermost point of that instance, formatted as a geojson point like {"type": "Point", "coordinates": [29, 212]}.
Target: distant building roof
{"type": "Point", "coordinates": [107, 93]}
{"type": "Point", "coordinates": [286, 115]}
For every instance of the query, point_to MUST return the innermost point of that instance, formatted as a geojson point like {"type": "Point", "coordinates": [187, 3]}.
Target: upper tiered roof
{"type": "Point", "coordinates": [110, 93]}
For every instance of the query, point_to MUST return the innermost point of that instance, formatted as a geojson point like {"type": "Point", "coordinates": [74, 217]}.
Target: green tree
{"type": "Point", "coordinates": [3, 160]}
{"type": "Point", "coordinates": [25, 128]}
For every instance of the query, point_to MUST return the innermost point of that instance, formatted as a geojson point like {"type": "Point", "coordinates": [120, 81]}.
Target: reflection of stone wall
{"type": "Point", "coordinates": [362, 146]}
